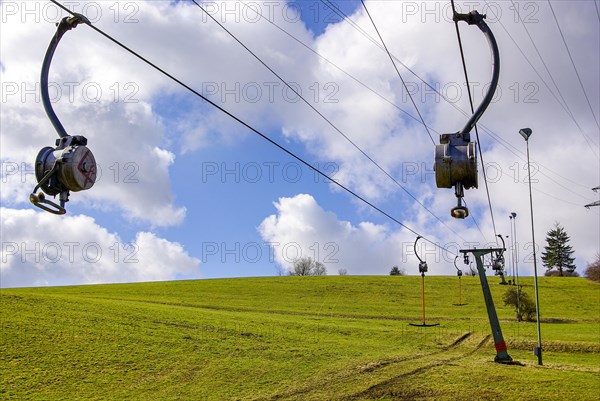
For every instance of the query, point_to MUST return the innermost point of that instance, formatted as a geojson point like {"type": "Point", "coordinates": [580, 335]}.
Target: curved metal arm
{"type": "Point", "coordinates": [65, 25]}
{"type": "Point", "coordinates": [458, 271]}
{"type": "Point", "coordinates": [474, 18]}
{"type": "Point", "coordinates": [503, 243]}
{"type": "Point", "coordinates": [415, 248]}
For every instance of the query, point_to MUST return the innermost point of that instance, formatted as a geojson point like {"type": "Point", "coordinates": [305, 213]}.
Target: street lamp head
{"type": "Point", "coordinates": [525, 133]}
{"type": "Point", "coordinates": [514, 215]}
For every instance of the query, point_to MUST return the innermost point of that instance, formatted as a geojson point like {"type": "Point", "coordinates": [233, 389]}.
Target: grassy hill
{"type": "Point", "coordinates": [303, 338]}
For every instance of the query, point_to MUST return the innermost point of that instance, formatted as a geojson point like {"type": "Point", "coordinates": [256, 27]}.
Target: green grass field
{"type": "Point", "coordinates": [301, 338]}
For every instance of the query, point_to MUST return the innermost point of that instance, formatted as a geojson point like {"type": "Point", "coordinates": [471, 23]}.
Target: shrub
{"type": "Point", "coordinates": [526, 306]}
{"type": "Point", "coordinates": [565, 273]}
{"type": "Point", "coordinates": [593, 270]}
{"type": "Point", "coordinates": [397, 272]}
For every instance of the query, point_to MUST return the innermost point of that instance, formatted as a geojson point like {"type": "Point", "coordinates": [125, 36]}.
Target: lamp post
{"type": "Point", "coordinates": [526, 133]}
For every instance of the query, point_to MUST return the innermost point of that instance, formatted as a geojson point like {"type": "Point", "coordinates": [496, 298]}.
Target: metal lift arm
{"type": "Point", "coordinates": [70, 166]}
{"type": "Point", "coordinates": [474, 18]}
{"type": "Point", "coordinates": [66, 24]}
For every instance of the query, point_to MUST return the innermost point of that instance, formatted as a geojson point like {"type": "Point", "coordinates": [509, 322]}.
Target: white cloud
{"type": "Point", "coordinates": [198, 52]}
{"type": "Point", "coordinates": [40, 249]}
{"type": "Point", "coordinates": [366, 248]}
{"type": "Point", "coordinates": [303, 228]}
{"type": "Point", "coordinates": [426, 41]}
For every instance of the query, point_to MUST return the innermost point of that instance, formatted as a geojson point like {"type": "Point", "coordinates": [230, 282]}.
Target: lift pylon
{"type": "Point", "coordinates": [501, 350]}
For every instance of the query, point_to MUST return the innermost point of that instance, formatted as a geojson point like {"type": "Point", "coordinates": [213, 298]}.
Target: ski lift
{"type": "Point", "coordinates": [70, 165]}
{"type": "Point", "coordinates": [498, 262]}
{"type": "Point", "coordinates": [422, 269]}
{"type": "Point", "coordinates": [456, 156]}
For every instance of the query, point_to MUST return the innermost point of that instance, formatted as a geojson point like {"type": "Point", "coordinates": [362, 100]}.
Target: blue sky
{"type": "Point", "coordinates": [200, 196]}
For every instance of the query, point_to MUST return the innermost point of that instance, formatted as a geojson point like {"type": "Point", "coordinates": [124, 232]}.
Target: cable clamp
{"type": "Point", "coordinates": [472, 18]}
{"type": "Point", "coordinates": [68, 23]}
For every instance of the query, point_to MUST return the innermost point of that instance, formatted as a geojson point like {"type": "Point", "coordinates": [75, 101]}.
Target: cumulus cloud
{"type": "Point", "coordinates": [565, 166]}
{"type": "Point", "coordinates": [39, 249]}
{"type": "Point", "coordinates": [305, 229]}
{"type": "Point", "coordinates": [131, 136]}
{"type": "Point", "coordinates": [302, 228]}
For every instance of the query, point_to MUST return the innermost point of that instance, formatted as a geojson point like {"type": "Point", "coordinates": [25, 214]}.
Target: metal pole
{"type": "Point", "coordinates": [516, 259]}
{"type": "Point", "coordinates": [499, 343]}
{"type": "Point", "coordinates": [538, 350]}
{"type": "Point", "coordinates": [423, 296]}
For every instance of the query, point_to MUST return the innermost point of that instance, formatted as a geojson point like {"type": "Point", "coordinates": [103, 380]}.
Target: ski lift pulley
{"type": "Point", "coordinates": [498, 260]}
{"type": "Point", "coordinates": [456, 156]}
{"type": "Point", "coordinates": [70, 166]}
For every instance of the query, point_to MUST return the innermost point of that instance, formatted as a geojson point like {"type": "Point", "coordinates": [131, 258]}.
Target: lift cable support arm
{"type": "Point", "coordinates": [500, 345]}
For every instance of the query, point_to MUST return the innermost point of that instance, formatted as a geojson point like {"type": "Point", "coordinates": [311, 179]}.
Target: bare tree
{"type": "Point", "coordinates": [319, 269]}
{"type": "Point", "coordinates": [343, 272]}
{"type": "Point", "coordinates": [593, 269]}
{"type": "Point", "coordinates": [308, 267]}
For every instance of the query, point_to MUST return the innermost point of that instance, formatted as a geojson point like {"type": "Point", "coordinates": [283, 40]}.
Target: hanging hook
{"type": "Point", "coordinates": [458, 271]}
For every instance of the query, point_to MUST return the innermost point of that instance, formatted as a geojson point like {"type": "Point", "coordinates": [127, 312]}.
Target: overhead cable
{"type": "Point", "coordinates": [251, 128]}
{"type": "Point", "coordinates": [517, 152]}
{"type": "Point", "coordinates": [397, 71]}
{"type": "Point", "coordinates": [326, 119]}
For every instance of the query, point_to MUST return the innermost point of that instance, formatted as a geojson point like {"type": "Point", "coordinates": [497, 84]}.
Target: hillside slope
{"type": "Point", "coordinates": [294, 338]}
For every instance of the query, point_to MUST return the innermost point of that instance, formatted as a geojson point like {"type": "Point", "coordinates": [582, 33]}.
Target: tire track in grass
{"type": "Point", "coordinates": [368, 368]}
{"type": "Point", "coordinates": [387, 386]}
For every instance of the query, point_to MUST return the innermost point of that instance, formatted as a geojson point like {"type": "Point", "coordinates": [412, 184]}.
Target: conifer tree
{"type": "Point", "coordinates": [557, 253]}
